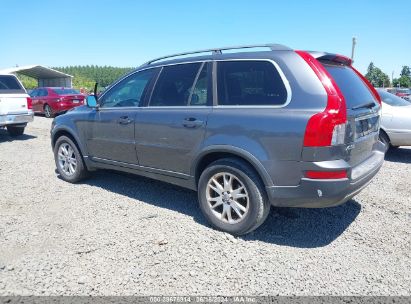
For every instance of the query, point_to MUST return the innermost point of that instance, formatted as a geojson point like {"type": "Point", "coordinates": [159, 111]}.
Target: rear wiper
{"type": "Point", "coordinates": [369, 104]}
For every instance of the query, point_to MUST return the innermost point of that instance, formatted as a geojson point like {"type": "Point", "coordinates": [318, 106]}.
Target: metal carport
{"type": "Point", "coordinates": [46, 77]}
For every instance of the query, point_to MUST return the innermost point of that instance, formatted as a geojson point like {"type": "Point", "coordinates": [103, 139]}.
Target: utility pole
{"type": "Point", "coordinates": [392, 78]}
{"type": "Point", "coordinates": [354, 42]}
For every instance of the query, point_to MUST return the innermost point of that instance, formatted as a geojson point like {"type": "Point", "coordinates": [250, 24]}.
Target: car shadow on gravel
{"type": "Point", "coordinates": [306, 228]}
{"type": "Point", "coordinates": [4, 136]}
{"type": "Point", "coordinates": [296, 227]}
{"type": "Point", "coordinates": [399, 155]}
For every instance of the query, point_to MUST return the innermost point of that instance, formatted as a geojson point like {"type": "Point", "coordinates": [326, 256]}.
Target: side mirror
{"type": "Point", "coordinates": [92, 101]}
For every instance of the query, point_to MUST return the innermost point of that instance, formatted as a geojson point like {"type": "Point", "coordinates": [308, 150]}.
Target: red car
{"type": "Point", "coordinates": [51, 101]}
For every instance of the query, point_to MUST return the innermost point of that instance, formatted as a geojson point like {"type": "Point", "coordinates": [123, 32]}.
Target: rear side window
{"type": "Point", "coordinates": [174, 85]}
{"type": "Point", "coordinates": [9, 84]}
{"type": "Point", "coordinates": [355, 91]}
{"type": "Point", "coordinates": [249, 83]}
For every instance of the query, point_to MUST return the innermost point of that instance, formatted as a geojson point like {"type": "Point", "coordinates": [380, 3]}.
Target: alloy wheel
{"type": "Point", "coordinates": [227, 198]}
{"type": "Point", "coordinates": [67, 159]}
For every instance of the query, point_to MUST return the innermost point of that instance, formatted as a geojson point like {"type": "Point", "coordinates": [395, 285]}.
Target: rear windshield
{"type": "Point", "coordinates": [355, 91]}
{"type": "Point", "coordinates": [65, 91]}
{"type": "Point", "coordinates": [9, 84]}
{"type": "Point", "coordinates": [392, 99]}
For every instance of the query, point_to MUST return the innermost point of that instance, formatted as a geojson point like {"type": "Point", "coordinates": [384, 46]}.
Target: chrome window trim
{"type": "Point", "coordinates": [276, 66]}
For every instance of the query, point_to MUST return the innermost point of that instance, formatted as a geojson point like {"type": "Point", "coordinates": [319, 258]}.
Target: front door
{"type": "Point", "coordinates": [112, 135]}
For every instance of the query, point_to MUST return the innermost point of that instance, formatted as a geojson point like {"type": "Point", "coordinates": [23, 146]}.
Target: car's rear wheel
{"type": "Point", "coordinates": [232, 197]}
{"type": "Point", "coordinates": [48, 111]}
{"type": "Point", "coordinates": [69, 161]}
{"type": "Point", "coordinates": [15, 130]}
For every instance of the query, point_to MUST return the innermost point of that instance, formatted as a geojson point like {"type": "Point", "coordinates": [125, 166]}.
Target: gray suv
{"type": "Point", "coordinates": [246, 129]}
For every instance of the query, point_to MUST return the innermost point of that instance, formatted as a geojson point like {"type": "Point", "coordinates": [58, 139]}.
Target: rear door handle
{"type": "Point", "coordinates": [125, 120]}
{"type": "Point", "coordinates": [192, 122]}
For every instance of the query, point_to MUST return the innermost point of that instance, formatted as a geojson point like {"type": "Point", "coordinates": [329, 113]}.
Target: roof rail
{"type": "Point", "coordinates": [215, 51]}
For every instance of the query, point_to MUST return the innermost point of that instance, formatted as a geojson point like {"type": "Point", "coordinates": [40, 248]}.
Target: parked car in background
{"type": "Point", "coordinates": [400, 92]}
{"type": "Point", "coordinates": [15, 105]}
{"type": "Point", "coordinates": [396, 120]}
{"type": "Point", "coordinates": [54, 100]}
{"type": "Point", "coordinates": [246, 129]}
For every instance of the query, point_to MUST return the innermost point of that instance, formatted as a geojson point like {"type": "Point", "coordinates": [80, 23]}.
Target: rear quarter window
{"type": "Point", "coordinates": [250, 83]}
{"type": "Point", "coordinates": [9, 84]}
{"type": "Point", "coordinates": [355, 91]}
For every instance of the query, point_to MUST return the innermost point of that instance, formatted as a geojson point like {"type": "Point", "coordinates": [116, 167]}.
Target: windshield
{"type": "Point", "coordinates": [355, 91]}
{"type": "Point", "coordinates": [392, 99]}
{"type": "Point", "coordinates": [66, 91]}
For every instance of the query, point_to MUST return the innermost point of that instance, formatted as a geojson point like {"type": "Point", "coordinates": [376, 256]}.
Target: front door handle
{"type": "Point", "coordinates": [125, 120]}
{"type": "Point", "coordinates": [192, 122]}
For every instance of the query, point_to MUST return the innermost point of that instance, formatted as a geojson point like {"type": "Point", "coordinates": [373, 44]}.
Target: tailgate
{"type": "Point", "coordinates": [13, 104]}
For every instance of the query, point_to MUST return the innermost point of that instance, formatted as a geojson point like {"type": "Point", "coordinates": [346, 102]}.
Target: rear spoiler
{"type": "Point", "coordinates": [333, 58]}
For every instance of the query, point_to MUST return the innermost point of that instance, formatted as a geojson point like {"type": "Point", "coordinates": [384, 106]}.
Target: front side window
{"type": "Point", "coordinates": [34, 93]}
{"type": "Point", "coordinates": [129, 92]}
{"type": "Point", "coordinates": [249, 83]}
{"type": "Point", "coordinates": [174, 85]}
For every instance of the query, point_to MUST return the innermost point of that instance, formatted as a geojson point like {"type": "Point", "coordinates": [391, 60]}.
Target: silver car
{"type": "Point", "coordinates": [396, 120]}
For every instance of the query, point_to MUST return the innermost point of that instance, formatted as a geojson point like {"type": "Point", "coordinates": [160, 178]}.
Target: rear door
{"type": "Point", "coordinates": [171, 128]}
{"type": "Point", "coordinates": [363, 118]}
{"type": "Point", "coordinates": [13, 97]}
{"type": "Point", "coordinates": [112, 128]}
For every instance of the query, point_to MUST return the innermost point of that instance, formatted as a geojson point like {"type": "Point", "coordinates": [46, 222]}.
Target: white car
{"type": "Point", "coordinates": [396, 120]}
{"type": "Point", "coordinates": [15, 105]}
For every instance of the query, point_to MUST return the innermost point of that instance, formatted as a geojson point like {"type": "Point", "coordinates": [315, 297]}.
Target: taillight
{"type": "Point", "coordinates": [326, 174]}
{"type": "Point", "coordinates": [369, 85]}
{"type": "Point", "coordinates": [328, 127]}
{"type": "Point", "coordinates": [29, 103]}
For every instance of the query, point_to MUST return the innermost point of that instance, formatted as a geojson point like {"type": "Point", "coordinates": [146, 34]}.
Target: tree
{"type": "Point", "coordinates": [406, 71]}
{"type": "Point", "coordinates": [377, 77]}
{"type": "Point", "coordinates": [28, 82]}
{"type": "Point", "coordinates": [403, 81]}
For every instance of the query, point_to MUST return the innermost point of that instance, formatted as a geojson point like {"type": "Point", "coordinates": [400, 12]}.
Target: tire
{"type": "Point", "coordinates": [48, 111]}
{"type": "Point", "coordinates": [385, 140]}
{"type": "Point", "coordinates": [255, 201]}
{"type": "Point", "coordinates": [15, 130]}
{"type": "Point", "coordinates": [69, 171]}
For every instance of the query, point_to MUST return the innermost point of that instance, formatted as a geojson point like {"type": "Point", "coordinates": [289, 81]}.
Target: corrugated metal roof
{"type": "Point", "coordinates": [36, 71]}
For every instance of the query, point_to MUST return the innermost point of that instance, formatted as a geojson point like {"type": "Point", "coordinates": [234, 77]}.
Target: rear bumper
{"type": "Point", "coordinates": [313, 193]}
{"type": "Point", "coordinates": [14, 119]}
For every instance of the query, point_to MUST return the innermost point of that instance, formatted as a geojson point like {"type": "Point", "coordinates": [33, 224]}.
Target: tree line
{"type": "Point", "coordinates": [379, 79]}
{"type": "Point", "coordinates": [86, 76]}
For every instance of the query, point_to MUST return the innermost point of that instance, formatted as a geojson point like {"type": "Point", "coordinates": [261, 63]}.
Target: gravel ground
{"type": "Point", "coordinates": [118, 234]}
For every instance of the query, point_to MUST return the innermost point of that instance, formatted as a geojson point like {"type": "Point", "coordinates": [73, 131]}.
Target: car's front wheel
{"type": "Point", "coordinates": [69, 161]}
{"type": "Point", "coordinates": [232, 197]}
